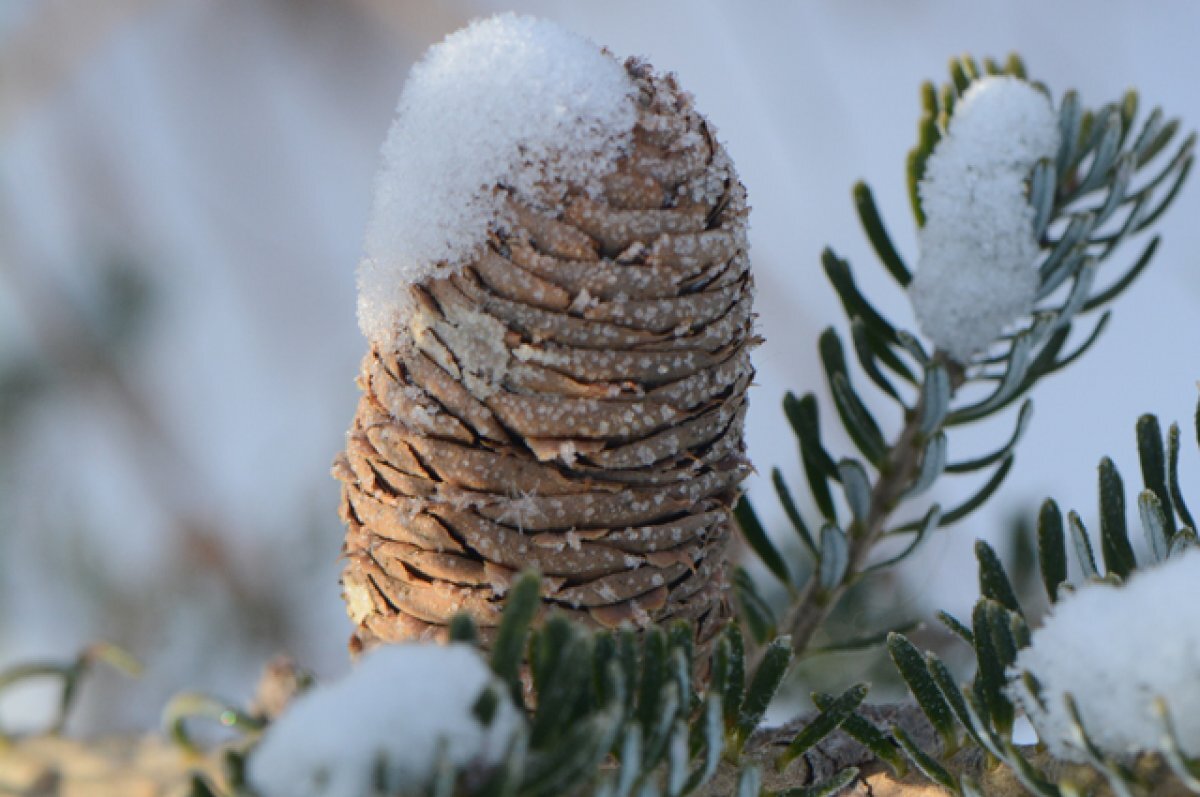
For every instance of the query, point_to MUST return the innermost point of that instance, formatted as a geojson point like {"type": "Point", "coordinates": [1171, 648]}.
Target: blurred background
{"type": "Point", "coordinates": [184, 186]}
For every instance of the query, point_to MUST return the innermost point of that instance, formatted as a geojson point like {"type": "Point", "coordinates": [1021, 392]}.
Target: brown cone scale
{"type": "Point", "coordinates": [571, 400]}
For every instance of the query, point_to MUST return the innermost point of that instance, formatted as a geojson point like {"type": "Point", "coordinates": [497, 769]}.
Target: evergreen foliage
{"type": "Point", "coordinates": [981, 710]}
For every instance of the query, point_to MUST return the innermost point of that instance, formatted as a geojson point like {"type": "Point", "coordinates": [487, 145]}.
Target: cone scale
{"type": "Point", "coordinates": [570, 399]}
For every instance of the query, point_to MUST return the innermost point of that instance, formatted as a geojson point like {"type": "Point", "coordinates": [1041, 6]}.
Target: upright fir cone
{"type": "Point", "coordinates": [571, 399]}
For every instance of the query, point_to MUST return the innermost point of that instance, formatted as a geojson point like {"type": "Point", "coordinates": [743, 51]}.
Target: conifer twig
{"type": "Point", "coordinates": [808, 611]}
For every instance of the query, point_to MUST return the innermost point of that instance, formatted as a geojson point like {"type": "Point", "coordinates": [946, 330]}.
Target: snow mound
{"type": "Point", "coordinates": [1116, 649]}
{"type": "Point", "coordinates": [976, 274]}
{"type": "Point", "coordinates": [507, 101]}
{"type": "Point", "coordinates": [401, 705]}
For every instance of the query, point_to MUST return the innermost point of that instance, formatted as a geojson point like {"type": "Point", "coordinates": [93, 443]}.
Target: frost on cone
{"type": "Point", "coordinates": [571, 400]}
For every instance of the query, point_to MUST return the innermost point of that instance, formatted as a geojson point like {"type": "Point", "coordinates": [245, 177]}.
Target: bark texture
{"type": "Point", "coordinates": [571, 400]}
{"type": "Point", "coordinates": [838, 752]}
{"type": "Point", "coordinates": [150, 766]}
{"type": "Point", "coordinates": [114, 766]}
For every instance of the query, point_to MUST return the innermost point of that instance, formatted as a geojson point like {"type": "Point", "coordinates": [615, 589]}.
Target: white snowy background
{"type": "Point", "coordinates": [176, 499]}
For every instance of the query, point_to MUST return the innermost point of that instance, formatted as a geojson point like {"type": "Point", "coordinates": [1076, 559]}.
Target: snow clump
{"type": "Point", "coordinates": [1116, 649]}
{"type": "Point", "coordinates": [494, 104]}
{"type": "Point", "coordinates": [402, 706]}
{"type": "Point", "coordinates": [977, 274]}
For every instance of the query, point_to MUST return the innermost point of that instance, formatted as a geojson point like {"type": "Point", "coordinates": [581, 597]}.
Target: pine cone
{"type": "Point", "coordinates": [572, 400]}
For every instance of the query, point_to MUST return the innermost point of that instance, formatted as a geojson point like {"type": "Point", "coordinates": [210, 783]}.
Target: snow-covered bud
{"type": "Point", "coordinates": [1117, 650]}
{"type": "Point", "coordinates": [557, 296]}
{"type": "Point", "coordinates": [977, 273]}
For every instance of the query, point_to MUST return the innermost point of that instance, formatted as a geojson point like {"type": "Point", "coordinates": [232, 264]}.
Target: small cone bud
{"type": "Point", "coordinates": [570, 399]}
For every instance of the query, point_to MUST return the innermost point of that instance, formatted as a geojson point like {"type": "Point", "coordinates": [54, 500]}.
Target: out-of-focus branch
{"type": "Point", "coordinates": [49, 47]}
{"type": "Point", "coordinates": [66, 342]}
{"type": "Point", "coordinates": [418, 23]}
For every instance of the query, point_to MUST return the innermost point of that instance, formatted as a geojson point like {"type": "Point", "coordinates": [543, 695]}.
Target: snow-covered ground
{"type": "Point", "coordinates": [228, 147]}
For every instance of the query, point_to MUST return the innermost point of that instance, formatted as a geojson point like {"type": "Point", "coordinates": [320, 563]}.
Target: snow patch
{"type": "Point", "coordinates": [1116, 649]}
{"type": "Point", "coordinates": [473, 344]}
{"type": "Point", "coordinates": [977, 274]}
{"type": "Point", "coordinates": [509, 103]}
{"type": "Point", "coordinates": [401, 705]}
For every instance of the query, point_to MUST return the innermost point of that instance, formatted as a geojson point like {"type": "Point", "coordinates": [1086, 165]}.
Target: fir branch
{"type": "Point", "coordinates": [1099, 158]}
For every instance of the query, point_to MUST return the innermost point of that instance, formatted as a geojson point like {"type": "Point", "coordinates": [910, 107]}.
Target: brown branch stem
{"type": "Point", "coordinates": [897, 473]}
